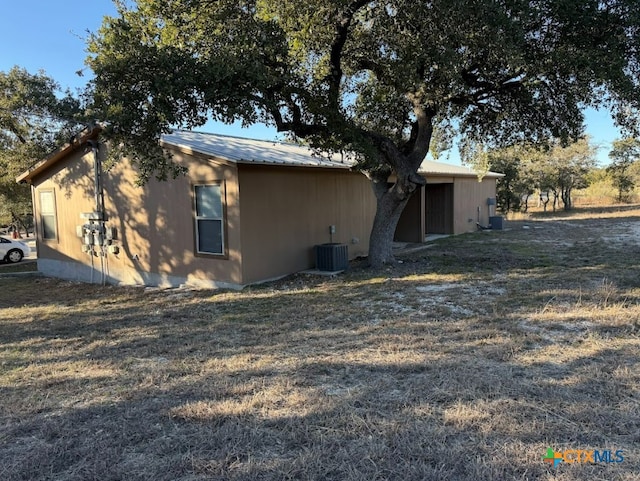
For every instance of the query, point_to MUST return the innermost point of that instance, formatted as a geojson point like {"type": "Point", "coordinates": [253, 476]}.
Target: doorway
{"type": "Point", "coordinates": [439, 208]}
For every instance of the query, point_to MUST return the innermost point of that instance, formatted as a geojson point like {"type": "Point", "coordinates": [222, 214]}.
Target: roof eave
{"type": "Point", "coordinates": [470, 175]}
{"type": "Point", "coordinates": [185, 149]}
{"type": "Point", "coordinates": [303, 165]}
{"type": "Point", "coordinates": [76, 142]}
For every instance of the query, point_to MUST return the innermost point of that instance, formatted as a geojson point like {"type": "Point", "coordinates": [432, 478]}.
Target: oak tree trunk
{"type": "Point", "coordinates": [389, 207]}
{"type": "Point", "coordinates": [566, 198]}
{"type": "Point", "coordinates": [18, 222]}
{"type": "Point", "coordinates": [392, 199]}
{"type": "Point", "coordinates": [545, 202]}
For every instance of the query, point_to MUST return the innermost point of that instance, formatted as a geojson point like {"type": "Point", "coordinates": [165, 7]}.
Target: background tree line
{"type": "Point", "coordinates": [550, 176]}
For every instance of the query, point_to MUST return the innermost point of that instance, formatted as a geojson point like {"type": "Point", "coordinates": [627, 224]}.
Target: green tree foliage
{"type": "Point", "coordinates": [34, 119]}
{"type": "Point", "coordinates": [570, 166]}
{"type": "Point", "coordinates": [553, 171]}
{"type": "Point", "coordinates": [599, 190]}
{"type": "Point", "coordinates": [557, 170]}
{"type": "Point", "coordinates": [518, 183]}
{"type": "Point", "coordinates": [366, 76]}
{"type": "Point", "coordinates": [507, 194]}
{"type": "Point", "coordinates": [623, 155]}
{"type": "Point", "coordinates": [544, 178]}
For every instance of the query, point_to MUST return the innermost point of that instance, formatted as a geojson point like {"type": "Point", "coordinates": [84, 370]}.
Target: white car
{"type": "Point", "coordinates": [13, 250]}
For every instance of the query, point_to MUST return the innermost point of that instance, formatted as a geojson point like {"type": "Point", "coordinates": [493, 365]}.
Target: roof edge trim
{"type": "Point", "coordinates": [76, 142]}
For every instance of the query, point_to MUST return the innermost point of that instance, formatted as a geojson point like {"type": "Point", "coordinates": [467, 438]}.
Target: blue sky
{"type": "Point", "coordinates": [51, 35]}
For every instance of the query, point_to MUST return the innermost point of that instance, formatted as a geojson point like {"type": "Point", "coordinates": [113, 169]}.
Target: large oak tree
{"type": "Point", "coordinates": [35, 116]}
{"type": "Point", "coordinates": [371, 77]}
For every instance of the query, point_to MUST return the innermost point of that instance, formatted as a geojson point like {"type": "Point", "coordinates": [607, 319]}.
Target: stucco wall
{"type": "Point", "coordinates": [155, 222]}
{"type": "Point", "coordinates": [468, 196]}
{"type": "Point", "coordinates": [272, 221]}
{"type": "Point", "coordinates": [287, 211]}
{"type": "Point", "coordinates": [71, 181]}
{"type": "Point", "coordinates": [154, 225]}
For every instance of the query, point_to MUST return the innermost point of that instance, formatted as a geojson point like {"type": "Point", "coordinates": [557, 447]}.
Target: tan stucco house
{"type": "Point", "coordinates": [246, 211]}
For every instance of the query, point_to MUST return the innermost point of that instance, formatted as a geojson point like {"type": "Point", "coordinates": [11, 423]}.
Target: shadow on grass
{"type": "Point", "coordinates": [452, 419]}
{"type": "Point", "coordinates": [462, 363]}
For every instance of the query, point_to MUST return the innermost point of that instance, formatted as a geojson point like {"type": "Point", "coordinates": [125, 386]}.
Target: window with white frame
{"type": "Point", "coordinates": [209, 219]}
{"type": "Point", "coordinates": [48, 214]}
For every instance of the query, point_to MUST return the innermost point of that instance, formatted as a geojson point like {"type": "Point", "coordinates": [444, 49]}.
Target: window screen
{"type": "Point", "coordinates": [48, 214]}
{"type": "Point", "coordinates": [209, 219]}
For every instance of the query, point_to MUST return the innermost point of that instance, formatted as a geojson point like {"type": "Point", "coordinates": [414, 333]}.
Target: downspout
{"type": "Point", "coordinates": [99, 200]}
{"type": "Point", "coordinates": [97, 167]}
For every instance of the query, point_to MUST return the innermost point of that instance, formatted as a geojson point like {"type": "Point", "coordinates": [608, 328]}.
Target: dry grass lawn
{"type": "Point", "coordinates": [464, 363]}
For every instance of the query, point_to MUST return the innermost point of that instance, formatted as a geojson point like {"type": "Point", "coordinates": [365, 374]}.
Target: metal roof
{"type": "Point", "coordinates": [239, 150]}
{"type": "Point", "coordinates": [429, 167]}
{"type": "Point", "coordinates": [249, 151]}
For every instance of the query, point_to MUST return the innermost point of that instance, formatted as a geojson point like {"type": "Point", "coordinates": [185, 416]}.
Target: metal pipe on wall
{"type": "Point", "coordinates": [97, 172]}
{"type": "Point", "coordinates": [99, 208]}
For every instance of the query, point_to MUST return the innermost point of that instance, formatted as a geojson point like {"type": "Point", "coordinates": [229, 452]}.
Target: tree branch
{"type": "Point", "coordinates": [343, 22]}
{"type": "Point", "coordinates": [296, 124]}
{"type": "Point", "coordinates": [484, 89]}
{"type": "Point", "coordinates": [15, 131]}
{"type": "Point", "coordinates": [421, 132]}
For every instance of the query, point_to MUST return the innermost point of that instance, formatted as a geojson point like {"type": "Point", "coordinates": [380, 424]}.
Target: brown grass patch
{"type": "Point", "coordinates": [465, 362]}
{"type": "Point", "coordinates": [24, 266]}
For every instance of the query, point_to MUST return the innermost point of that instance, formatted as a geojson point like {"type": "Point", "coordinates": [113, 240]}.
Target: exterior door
{"type": "Point", "coordinates": [439, 208]}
